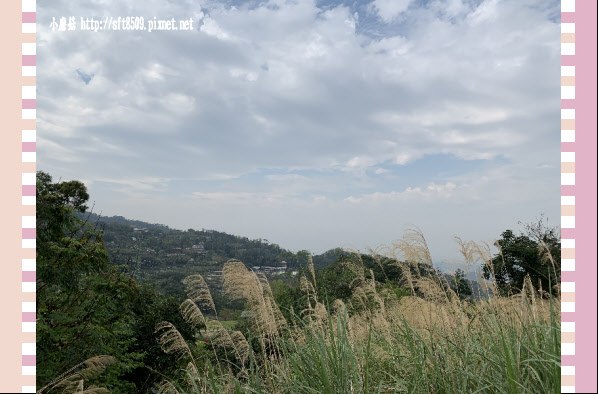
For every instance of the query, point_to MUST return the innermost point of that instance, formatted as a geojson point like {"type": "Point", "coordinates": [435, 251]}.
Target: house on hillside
{"type": "Point", "coordinates": [213, 275]}
{"type": "Point", "coordinates": [278, 270]}
{"type": "Point", "coordinates": [199, 248]}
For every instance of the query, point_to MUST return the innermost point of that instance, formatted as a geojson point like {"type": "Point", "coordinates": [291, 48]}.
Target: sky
{"type": "Point", "coordinates": [312, 124]}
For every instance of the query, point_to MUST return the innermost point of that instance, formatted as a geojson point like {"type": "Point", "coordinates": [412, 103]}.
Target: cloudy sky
{"type": "Point", "coordinates": [313, 124]}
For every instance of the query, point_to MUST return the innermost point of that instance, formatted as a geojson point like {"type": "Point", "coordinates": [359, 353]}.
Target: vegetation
{"type": "Point", "coordinates": [386, 321]}
{"type": "Point", "coordinates": [161, 256]}
{"type": "Point", "coordinates": [375, 342]}
{"type": "Point", "coordinates": [89, 312]}
{"type": "Point", "coordinates": [518, 258]}
{"type": "Point", "coordinates": [460, 285]}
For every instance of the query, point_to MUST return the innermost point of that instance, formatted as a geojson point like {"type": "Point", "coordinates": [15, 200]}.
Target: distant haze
{"type": "Point", "coordinates": [310, 124]}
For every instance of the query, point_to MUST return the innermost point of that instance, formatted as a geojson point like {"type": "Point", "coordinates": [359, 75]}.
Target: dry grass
{"type": "Point", "coordinates": [192, 314]}
{"type": "Point", "coordinates": [73, 380]}
{"type": "Point", "coordinates": [198, 292]}
{"type": "Point", "coordinates": [430, 341]}
{"type": "Point", "coordinates": [171, 340]}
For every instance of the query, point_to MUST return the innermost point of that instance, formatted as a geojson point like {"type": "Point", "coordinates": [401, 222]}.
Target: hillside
{"type": "Point", "coordinates": [163, 256]}
{"type": "Point", "coordinates": [157, 254]}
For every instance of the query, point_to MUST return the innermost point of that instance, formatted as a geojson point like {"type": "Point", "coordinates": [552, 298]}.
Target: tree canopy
{"type": "Point", "coordinates": [535, 252]}
{"type": "Point", "coordinates": [86, 306]}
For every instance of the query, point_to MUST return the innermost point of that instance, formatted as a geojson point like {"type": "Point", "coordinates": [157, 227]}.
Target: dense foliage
{"type": "Point", "coordinates": [535, 253]}
{"type": "Point", "coordinates": [86, 306]}
{"type": "Point", "coordinates": [460, 285]}
{"type": "Point", "coordinates": [161, 256]}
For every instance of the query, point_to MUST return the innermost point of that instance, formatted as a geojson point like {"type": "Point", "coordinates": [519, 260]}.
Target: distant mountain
{"type": "Point", "coordinates": [479, 290]}
{"type": "Point", "coordinates": [163, 256]}
{"type": "Point", "coordinates": [93, 218]}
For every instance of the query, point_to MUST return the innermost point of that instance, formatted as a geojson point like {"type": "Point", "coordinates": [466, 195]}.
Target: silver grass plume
{"type": "Point", "coordinates": [192, 314]}
{"type": "Point", "coordinates": [165, 387]}
{"type": "Point", "coordinates": [74, 377]}
{"type": "Point", "coordinates": [171, 340]}
{"type": "Point", "coordinates": [198, 291]}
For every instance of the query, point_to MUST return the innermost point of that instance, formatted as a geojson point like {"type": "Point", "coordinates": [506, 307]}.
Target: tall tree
{"type": "Point", "coordinates": [86, 305]}
{"type": "Point", "coordinates": [83, 302]}
{"type": "Point", "coordinates": [525, 254]}
{"type": "Point", "coordinates": [460, 285]}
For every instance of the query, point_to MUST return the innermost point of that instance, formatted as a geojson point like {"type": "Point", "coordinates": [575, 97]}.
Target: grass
{"type": "Point", "coordinates": [428, 342]}
{"type": "Point", "coordinates": [488, 356]}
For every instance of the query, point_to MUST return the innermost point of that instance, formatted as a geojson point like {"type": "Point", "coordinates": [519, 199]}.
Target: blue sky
{"type": "Point", "coordinates": [310, 124]}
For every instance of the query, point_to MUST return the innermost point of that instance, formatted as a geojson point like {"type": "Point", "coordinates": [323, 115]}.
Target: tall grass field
{"type": "Point", "coordinates": [424, 338]}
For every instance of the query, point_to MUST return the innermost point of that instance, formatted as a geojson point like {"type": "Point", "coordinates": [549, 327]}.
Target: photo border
{"type": "Point", "coordinates": [578, 195]}
{"type": "Point", "coordinates": [18, 163]}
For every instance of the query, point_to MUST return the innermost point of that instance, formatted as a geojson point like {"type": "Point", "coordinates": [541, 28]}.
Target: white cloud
{"type": "Point", "coordinates": [287, 87]}
{"type": "Point", "coordinates": [432, 190]}
{"type": "Point", "coordinates": [178, 104]}
{"type": "Point", "coordinates": [226, 197]}
{"type": "Point", "coordinates": [390, 9]}
{"type": "Point", "coordinates": [286, 178]}
{"type": "Point", "coordinates": [211, 28]}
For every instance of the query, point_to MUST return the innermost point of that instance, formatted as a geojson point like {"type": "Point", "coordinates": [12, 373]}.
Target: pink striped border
{"type": "Point", "coordinates": [567, 195]}
{"type": "Point", "coordinates": [578, 196]}
{"type": "Point", "coordinates": [28, 222]}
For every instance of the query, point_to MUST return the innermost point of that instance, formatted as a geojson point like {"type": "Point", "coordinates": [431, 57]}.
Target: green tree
{"type": "Point", "coordinates": [525, 254]}
{"type": "Point", "coordinates": [334, 281]}
{"type": "Point", "coordinates": [86, 305]}
{"type": "Point", "coordinates": [460, 285]}
{"type": "Point", "coordinates": [149, 308]}
{"type": "Point", "coordinates": [82, 300]}
{"type": "Point", "coordinates": [289, 298]}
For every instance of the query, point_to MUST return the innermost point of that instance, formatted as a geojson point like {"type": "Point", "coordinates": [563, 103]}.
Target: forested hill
{"type": "Point", "coordinates": [94, 218]}
{"type": "Point", "coordinates": [163, 256]}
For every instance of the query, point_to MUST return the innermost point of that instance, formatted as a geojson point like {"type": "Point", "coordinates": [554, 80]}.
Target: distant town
{"type": "Point", "coordinates": [279, 269]}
